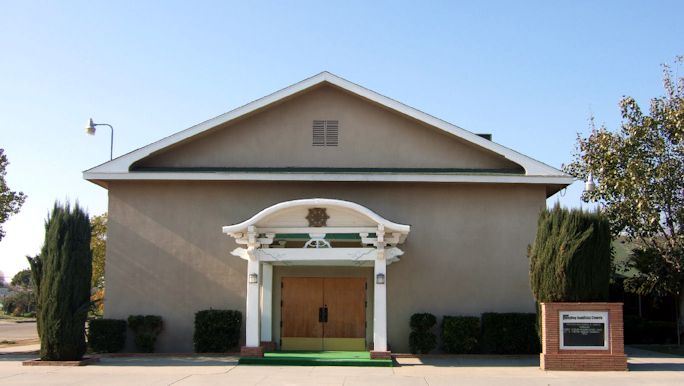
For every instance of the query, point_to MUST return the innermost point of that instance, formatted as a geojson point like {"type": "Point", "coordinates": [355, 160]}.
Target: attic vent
{"type": "Point", "coordinates": [326, 133]}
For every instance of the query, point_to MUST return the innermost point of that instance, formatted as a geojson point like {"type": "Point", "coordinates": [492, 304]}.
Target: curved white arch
{"type": "Point", "coordinates": [327, 202]}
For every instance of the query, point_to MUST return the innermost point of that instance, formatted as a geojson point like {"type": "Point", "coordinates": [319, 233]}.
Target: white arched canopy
{"type": "Point", "coordinates": [317, 222]}
{"type": "Point", "coordinates": [316, 231]}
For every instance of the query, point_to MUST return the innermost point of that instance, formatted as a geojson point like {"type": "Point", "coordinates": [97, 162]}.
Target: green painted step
{"type": "Point", "coordinates": [317, 358]}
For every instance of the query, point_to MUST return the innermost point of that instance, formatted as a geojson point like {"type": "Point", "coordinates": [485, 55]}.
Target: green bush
{"type": "Point", "coordinates": [61, 274]}
{"type": "Point", "coordinates": [19, 303]}
{"type": "Point", "coordinates": [146, 329]}
{"type": "Point", "coordinates": [570, 257]}
{"type": "Point", "coordinates": [461, 334]}
{"type": "Point", "coordinates": [217, 330]}
{"type": "Point", "coordinates": [422, 321]}
{"type": "Point", "coordinates": [422, 340]}
{"type": "Point", "coordinates": [107, 335]}
{"type": "Point", "coordinates": [509, 333]}
{"type": "Point", "coordinates": [642, 331]}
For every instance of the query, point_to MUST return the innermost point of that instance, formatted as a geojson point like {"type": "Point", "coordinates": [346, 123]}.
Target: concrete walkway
{"type": "Point", "coordinates": [646, 368]}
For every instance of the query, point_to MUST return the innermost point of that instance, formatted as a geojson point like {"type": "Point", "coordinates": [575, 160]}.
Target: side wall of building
{"type": "Point", "coordinates": [466, 253]}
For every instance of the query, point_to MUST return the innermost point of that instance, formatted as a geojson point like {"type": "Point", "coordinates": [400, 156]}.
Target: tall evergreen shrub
{"type": "Point", "coordinates": [571, 255]}
{"type": "Point", "coordinates": [61, 274]}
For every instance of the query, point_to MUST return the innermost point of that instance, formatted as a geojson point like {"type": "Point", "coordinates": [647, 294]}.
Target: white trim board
{"type": "Point", "coordinates": [352, 177]}
{"type": "Point", "coordinates": [118, 168]}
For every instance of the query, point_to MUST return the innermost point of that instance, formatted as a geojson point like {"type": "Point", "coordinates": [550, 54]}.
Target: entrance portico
{"type": "Point", "coordinates": [313, 232]}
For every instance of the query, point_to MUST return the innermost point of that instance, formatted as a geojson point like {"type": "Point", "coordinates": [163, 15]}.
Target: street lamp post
{"type": "Point", "coordinates": [90, 130]}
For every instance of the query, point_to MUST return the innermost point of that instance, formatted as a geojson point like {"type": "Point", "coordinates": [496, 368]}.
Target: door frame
{"type": "Point", "coordinates": [321, 271]}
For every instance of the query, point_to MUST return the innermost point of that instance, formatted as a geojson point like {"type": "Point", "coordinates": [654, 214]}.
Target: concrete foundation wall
{"type": "Point", "coordinates": [466, 253]}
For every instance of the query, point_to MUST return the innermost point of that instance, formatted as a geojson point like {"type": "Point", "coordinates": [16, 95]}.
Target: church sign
{"type": "Point", "coordinates": [583, 330]}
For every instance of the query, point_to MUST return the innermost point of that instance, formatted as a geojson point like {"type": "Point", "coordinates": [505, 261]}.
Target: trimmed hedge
{"type": "Point", "coordinates": [509, 333]}
{"type": "Point", "coordinates": [217, 330]}
{"type": "Point", "coordinates": [461, 334]}
{"type": "Point", "coordinates": [107, 335]}
{"type": "Point", "coordinates": [422, 340]}
{"type": "Point", "coordinates": [643, 331]}
{"type": "Point", "coordinates": [146, 329]}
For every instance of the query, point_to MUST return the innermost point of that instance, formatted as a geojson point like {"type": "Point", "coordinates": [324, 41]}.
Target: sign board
{"type": "Point", "coordinates": [583, 330]}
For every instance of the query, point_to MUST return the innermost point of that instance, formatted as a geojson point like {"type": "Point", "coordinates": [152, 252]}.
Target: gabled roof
{"type": "Point", "coordinates": [120, 168]}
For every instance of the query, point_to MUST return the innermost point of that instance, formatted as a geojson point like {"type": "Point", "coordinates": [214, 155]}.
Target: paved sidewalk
{"type": "Point", "coordinates": [646, 368]}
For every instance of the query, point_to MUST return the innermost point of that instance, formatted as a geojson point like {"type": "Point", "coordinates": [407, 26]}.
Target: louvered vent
{"type": "Point", "coordinates": [325, 133]}
{"type": "Point", "coordinates": [332, 133]}
{"type": "Point", "coordinates": [318, 133]}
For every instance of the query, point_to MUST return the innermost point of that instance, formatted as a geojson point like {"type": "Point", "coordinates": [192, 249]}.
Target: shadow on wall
{"type": "Point", "coordinates": [170, 277]}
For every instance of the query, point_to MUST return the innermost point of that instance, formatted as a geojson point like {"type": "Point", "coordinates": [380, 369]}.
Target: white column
{"type": "Point", "coordinates": [252, 311]}
{"type": "Point", "coordinates": [380, 297]}
{"type": "Point", "coordinates": [266, 302]}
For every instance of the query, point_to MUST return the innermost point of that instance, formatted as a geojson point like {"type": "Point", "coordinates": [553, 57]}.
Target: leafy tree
{"type": "Point", "coordinates": [20, 303]}
{"type": "Point", "coordinates": [2, 279]}
{"type": "Point", "coordinates": [22, 279]}
{"type": "Point", "coordinates": [62, 274]}
{"type": "Point", "coordinates": [10, 201]}
{"type": "Point", "coordinates": [639, 174]}
{"type": "Point", "coordinates": [98, 244]}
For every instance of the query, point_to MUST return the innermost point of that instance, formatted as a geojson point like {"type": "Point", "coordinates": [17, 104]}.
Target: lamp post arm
{"type": "Point", "coordinates": [111, 142]}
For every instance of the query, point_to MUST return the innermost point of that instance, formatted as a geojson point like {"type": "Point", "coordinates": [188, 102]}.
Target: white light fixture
{"type": "Point", "coordinates": [380, 278]}
{"type": "Point", "coordinates": [90, 130]}
{"type": "Point", "coordinates": [253, 278]}
{"type": "Point", "coordinates": [589, 185]}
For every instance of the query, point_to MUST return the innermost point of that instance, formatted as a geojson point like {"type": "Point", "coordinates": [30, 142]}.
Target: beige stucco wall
{"type": "Point", "coordinates": [370, 136]}
{"type": "Point", "coordinates": [466, 252]}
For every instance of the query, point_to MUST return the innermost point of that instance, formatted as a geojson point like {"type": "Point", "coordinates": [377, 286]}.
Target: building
{"type": "Point", "coordinates": [325, 212]}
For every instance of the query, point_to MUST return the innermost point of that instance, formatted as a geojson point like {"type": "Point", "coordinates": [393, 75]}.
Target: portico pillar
{"type": "Point", "coordinates": [252, 310]}
{"type": "Point", "coordinates": [380, 306]}
{"type": "Point", "coordinates": [266, 304]}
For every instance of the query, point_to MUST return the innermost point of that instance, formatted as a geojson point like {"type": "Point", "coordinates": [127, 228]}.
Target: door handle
{"type": "Point", "coordinates": [325, 314]}
{"type": "Point", "coordinates": [320, 314]}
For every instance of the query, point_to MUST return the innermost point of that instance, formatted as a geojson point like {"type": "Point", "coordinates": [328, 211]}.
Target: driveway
{"type": "Point", "coordinates": [646, 368]}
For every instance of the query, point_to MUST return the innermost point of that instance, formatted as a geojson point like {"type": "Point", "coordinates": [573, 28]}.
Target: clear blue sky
{"type": "Point", "coordinates": [531, 73]}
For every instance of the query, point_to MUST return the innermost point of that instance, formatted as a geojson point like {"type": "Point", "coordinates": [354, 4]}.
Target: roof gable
{"type": "Point", "coordinates": [368, 136]}
{"type": "Point", "coordinates": [120, 168]}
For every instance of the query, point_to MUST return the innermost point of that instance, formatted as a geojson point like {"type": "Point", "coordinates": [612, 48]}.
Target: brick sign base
{"type": "Point", "coordinates": [612, 358]}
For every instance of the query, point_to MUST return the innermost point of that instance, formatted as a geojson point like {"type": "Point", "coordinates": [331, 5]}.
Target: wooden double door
{"type": "Point", "coordinates": [323, 313]}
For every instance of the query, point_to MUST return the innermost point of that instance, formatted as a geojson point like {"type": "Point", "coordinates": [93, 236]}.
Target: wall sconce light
{"type": "Point", "coordinates": [253, 278]}
{"type": "Point", "coordinates": [380, 278]}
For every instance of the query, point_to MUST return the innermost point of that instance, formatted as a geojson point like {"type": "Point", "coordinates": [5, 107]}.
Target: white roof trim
{"type": "Point", "coordinates": [122, 164]}
{"type": "Point", "coordinates": [318, 202]}
{"type": "Point", "coordinates": [391, 177]}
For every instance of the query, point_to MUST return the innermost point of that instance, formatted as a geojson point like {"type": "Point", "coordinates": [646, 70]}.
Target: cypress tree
{"type": "Point", "coordinates": [61, 274]}
{"type": "Point", "coordinates": [571, 256]}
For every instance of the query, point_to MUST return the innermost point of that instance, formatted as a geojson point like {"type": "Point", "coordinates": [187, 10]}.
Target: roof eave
{"type": "Point", "coordinates": [559, 180]}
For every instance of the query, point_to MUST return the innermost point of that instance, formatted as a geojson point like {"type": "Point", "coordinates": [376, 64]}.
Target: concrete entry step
{"type": "Point", "coordinates": [317, 358]}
